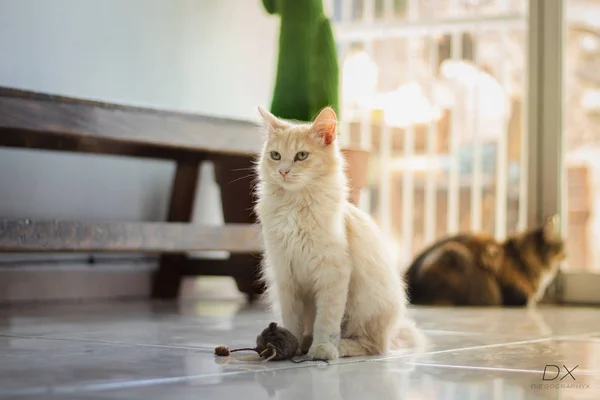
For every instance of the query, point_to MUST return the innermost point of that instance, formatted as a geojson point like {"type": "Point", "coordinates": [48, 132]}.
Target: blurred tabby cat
{"type": "Point", "coordinates": [477, 270]}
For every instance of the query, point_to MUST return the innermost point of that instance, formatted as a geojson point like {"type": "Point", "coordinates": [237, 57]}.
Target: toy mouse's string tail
{"type": "Point", "coordinates": [224, 351]}
{"type": "Point", "coordinates": [309, 359]}
{"type": "Point", "coordinates": [243, 349]}
{"type": "Point", "coordinates": [273, 353]}
{"type": "Point", "coordinates": [272, 356]}
{"type": "Point", "coordinates": [271, 347]}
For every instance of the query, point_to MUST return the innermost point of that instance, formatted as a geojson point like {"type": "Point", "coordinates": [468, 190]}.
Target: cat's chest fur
{"type": "Point", "coordinates": [299, 220]}
{"type": "Point", "coordinates": [287, 222]}
{"type": "Point", "coordinates": [301, 229]}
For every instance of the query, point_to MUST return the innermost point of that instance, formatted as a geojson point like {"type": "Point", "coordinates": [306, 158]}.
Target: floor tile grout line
{"type": "Point", "coordinates": [187, 378]}
{"type": "Point", "coordinates": [585, 372]}
{"type": "Point", "coordinates": [375, 358]}
{"type": "Point", "coordinates": [160, 381]}
{"type": "Point", "coordinates": [529, 371]}
{"type": "Point", "coordinates": [179, 347]}
{"type": "Point", "coordinates": [137, 383]}
{"type": "Point", "coordinates": [162, 346]}
{"type": "Point", "coordinates": [539, 340]}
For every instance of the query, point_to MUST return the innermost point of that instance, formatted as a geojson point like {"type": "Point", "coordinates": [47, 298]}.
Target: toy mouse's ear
{"type": "Point", "coordinates": [273, 326]}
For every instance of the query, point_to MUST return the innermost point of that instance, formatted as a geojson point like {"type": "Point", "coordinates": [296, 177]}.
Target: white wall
{"type": "Point", "coordinates": [212, 57]}
{"type": "Point", "coordinates": [206, 56]}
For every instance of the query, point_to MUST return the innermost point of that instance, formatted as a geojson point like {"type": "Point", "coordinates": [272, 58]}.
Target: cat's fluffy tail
{"type": "Point", "coordinates": [408, 335]}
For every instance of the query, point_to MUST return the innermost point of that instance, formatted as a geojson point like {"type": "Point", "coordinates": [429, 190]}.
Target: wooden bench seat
{"type": "Point", "coordinates": [47, 122]}
{"type": "Point", "coordinates": [35, 120]}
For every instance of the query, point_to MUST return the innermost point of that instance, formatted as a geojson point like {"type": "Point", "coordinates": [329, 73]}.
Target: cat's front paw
{"type": "Point", "coordinates": [325, 351]}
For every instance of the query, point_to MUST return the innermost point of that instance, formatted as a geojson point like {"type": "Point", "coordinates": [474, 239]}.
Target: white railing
{"type": "Point", "coordinates": [452, 215]}
{"type": "Point", "coordinates": [415, 30]}
{"type": "Point", "coordinates": [477, 187]}
{"type": "Point", "coordinates": [430, 184]}
{"type": "Point", "coordinates": [358, 31]}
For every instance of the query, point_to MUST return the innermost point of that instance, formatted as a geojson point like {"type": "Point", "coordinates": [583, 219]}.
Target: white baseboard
{"type": "Point", "coordinates": [580, 288]}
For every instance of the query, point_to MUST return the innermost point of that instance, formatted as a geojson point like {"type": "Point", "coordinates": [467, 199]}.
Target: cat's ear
{"type": "Point", "coordinates": [272, 123]}
{"type": "Point", "coordinates": [324, 126]}
{"type": "Point", "coordinates": [551, 227]}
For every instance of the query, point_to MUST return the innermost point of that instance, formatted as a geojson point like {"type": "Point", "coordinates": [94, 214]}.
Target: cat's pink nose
{"type": "Point", "coordinates": [284, 172]}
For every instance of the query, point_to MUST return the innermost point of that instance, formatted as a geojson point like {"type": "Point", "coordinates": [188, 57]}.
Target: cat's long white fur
{"type": "Point", "coordinates": [327, 271]}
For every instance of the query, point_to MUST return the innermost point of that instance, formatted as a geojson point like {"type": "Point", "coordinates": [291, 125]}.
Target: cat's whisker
{"type": "Point", "coordinates": [240, 178]}
{"type": "Point", "coordinates": [243, 169]}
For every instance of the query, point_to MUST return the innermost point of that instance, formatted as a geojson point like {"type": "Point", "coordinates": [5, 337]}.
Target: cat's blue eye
{"type": "Point", "coordinates": [301, 155]}
{"type": "Point", "coordinates": [275, 155]}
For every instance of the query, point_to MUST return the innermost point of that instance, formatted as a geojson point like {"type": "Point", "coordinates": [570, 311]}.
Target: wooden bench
{"type": "Point", "coordinates": [46, 122]}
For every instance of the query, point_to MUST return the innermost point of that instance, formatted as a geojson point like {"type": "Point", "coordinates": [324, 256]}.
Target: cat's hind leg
{"type": "Point", "coordinates": [381, 335]}
{"type": "Point", "coordinates": [356, 347]}
{"type": "Point", "coordinates": [373, 338]}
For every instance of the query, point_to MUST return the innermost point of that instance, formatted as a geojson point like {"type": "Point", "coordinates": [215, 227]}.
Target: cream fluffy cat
{"type": "Point", "coordinates": [325, 265]}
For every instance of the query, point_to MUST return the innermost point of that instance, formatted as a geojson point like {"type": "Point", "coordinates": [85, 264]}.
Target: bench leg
{"type": "Point", "coordinates": [248, 282]}
{"type": "Point", "coordinates": [234, 177]}
{"type": "Point", "coordinates": [167, 279]}
{"type": "Point", "coordinates": [247, 275]}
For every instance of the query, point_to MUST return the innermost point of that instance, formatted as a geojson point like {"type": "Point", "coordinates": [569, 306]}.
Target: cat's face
{"type": "Point", "coordinates": [296, 156]}
{"type": "Point", "coordinates": [546, 243]}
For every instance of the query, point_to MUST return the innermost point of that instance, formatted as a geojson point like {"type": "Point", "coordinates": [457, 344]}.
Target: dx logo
{"type": "Point", "coordinates": [555, 370]}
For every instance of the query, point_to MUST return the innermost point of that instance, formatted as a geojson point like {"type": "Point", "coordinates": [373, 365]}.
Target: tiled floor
{"type": "Point", "coordinates": [165, 351]}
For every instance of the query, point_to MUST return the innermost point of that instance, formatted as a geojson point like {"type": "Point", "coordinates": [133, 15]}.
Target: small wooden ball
{"type": "Point", "coordinates": [222, 351]}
